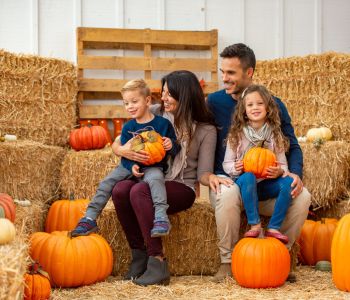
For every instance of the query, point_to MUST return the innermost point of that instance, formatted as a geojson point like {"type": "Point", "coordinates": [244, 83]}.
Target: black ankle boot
{"type": "Point", "coordinates": [138, 264]}
{"type": "Point", "coordinates": [157, 273]}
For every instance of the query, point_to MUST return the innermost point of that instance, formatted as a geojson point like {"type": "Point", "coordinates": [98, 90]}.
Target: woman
{"type": "Point", "coordinates": [183, 101]}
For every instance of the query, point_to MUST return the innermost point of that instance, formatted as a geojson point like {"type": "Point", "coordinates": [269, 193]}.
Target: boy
{"type": "Point", "coordinates": [137, 100]}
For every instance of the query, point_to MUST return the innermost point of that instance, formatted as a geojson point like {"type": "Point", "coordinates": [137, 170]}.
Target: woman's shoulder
{"type": "Point", "coordinates": [205, 127]}
{"type": "Point", "coordinates": [155, 109]}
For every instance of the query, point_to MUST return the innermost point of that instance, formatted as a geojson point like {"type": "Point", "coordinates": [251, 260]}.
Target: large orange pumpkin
{"type": "Point", "coordinates": [340, 254]}
{"type": "Point", "coordinates": [151, 142]}
{"type": "Point", "coordinates": [315, 240]}
{"type": "Point", "coordinates": [260, 262]}
{"type": "Point", "coordinates": [7, 207]}
{"type": "Point", "coordinates": [65, 214]}
{"type": "Point", "coordinates": [72, 262]}
{"type": "Point", "coordinates": [257, 160]}
{"type": "Point", "coordinates": [88, 138]}
{"type": "Point", "coordinates": [37, 283]}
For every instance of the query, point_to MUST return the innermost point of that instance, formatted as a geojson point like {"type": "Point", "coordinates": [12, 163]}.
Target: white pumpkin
{"type": "Point", "coordinates": [322, 133]}
{"type": "Point", "coordinates": [7, 231]}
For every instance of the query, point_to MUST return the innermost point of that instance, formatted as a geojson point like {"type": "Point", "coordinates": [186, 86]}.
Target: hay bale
{"type": "Point", "coordinates": [13, 263]}
{"type": "Point", "coordinates": [191, 247]}
{"type": "Point", "coordinates": [315, 88]}
{"type": "Point", "coordinates": [30, 170]}
{"type": "Point", "coordinates": [38, 97]}
{"type": "Point", "coordinates": [30, 219]}
{"type": "Point", "coordinates": [82, 171]}
{"type": "Point", "coordinates": [326, 171]}
{"type": "Point", "coordinates": [337, 211]}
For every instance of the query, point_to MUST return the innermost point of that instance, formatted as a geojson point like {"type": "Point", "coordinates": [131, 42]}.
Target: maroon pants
{"type": "Point", "coordinates": [133, 204]}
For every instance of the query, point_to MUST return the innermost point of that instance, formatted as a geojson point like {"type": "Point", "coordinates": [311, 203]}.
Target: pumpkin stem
{"type": "Point", "coordinates": [71, 196]}
{"type": "Point", "coordinates": [261, 144]}
{"type": "Point", "coordinates": [36, 268]}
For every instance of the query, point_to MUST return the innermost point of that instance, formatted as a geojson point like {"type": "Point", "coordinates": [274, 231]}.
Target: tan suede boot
{"type": "Point", "coordinates": [223, 272]}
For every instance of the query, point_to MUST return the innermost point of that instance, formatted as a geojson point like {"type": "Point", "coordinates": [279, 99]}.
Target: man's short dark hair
{"type": "Point", "coordinates": [241, 51]}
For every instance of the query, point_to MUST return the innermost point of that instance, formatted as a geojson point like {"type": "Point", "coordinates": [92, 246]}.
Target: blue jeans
{"type": "Point", "coordinates": [253, 192]}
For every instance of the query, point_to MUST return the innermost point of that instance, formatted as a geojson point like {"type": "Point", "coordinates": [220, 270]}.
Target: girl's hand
{"type": "Point", "coordinates": [274, 172]}
{"type": "Point", "coordinates": [136, 171]}
{"type": "Point", "coordinates": [167, 144]}
{"type": "Point", "coordinates": [239, 166]}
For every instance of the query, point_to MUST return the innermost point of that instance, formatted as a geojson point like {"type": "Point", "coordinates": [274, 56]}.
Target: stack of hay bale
{"type": "Point", "coordinates": [316, 91]}
{"type": "Point", "coordinates": [38, 105]}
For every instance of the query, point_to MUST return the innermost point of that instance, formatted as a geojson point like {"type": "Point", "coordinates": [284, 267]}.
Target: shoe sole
{"type": "Point", "coordinates": [163, 282]}
{"type": "Point", "coordinates": [93, 230]}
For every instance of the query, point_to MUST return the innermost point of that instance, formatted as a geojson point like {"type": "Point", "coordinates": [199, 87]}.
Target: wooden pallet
{"type": "Point", "coordinates": [146, 40]}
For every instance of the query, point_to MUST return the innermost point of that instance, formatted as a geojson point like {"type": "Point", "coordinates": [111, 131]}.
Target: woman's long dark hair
{"type": "Point", "coordinates": [184, 87]}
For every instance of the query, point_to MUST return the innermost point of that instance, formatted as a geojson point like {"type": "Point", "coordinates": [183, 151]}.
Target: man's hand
{"type": "Point", "coordinates": [136, 171]}
{"type": "Point", "coordinates": [274, 172]}
{"type": "Point", "coordinates": [167, 144]}
{"type": "Point", "coordinates": [297, 184]}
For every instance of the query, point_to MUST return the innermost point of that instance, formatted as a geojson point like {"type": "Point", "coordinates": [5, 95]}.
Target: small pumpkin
{"type": "Point", "coordinates": [72, 262]}
{"type": "Point", "coordinates": [37, 283]}
{"type": "Point", "coordinates": [260, 262]}
{"type": "Point", "coordinates": [7, 231]}
{"type": "Point", "coordinates": [323, 265]}
{"type": "Point", "coordinates": [7, 207]}
{"type": "Point", "coordinates": [64, 214]}
{"type": "Point", "coordinates": [88, 138]}
{"type": "Point", "coordinates": [340, 254]}
{"type": "Point", "coordinates": [321, 133]}
{"type": "Point", "coordinates": [151, 142]}
{"type": "Point", "coordinates": [316, 239]}
{"type": "Point", "coordinates": [257, 160]}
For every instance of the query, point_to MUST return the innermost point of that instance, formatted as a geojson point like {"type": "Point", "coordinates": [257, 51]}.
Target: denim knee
{"type": "Point", "coordinates": [285, 183]}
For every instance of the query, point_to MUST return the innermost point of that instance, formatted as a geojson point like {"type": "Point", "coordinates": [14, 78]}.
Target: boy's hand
{"type": "Point", "coordinates": [167, 144]}
{"type": "Point", "coordinates": [239, 165]}
{"type": "Point", "coordinates": [135, 171]}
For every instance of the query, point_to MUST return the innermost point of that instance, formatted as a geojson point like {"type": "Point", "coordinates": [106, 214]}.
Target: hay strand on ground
{"type": "Point", "coordinates": [37, 98]}
{"type": "Point", "coordinates": [30, 170]}
{"type": "Point", "coordinates": [311, 284]}
{"type": "Point", "coordinates": [13, 264]}
{"type": "Point", "coordinates": [326, 171]}
{"type": "Point", "coordinates": [315, 89]}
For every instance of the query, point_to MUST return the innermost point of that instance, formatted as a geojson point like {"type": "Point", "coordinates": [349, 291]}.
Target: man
{"type": "Point", "coordinates": [237, 69]}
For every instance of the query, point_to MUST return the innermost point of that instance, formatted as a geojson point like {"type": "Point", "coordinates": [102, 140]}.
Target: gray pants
{"type": "Point", "coordinates": [154, 176]}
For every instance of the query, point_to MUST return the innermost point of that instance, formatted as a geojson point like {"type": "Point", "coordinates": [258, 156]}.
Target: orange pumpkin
{"type": "Point", "coordinates": [340, 254]}
{"type": "Point", "coordinates": [65, 214]}
{"type": "Point", "coordinates": [260, 262]}
{"type": "Point", "coordinates": [72, 262]}
{"type": "Point", "coordinates": [88, 138]}
{"type": "Point", "coordinates": [151, 142]}
{"type": "Point", "coordinates": [257, 160]}
{"type": "Point", "coordinates": [37, 283]}
{"type": "Point", "coordinates": [7, 207]}
{"type": "Point", "coordinates": [315, 240]}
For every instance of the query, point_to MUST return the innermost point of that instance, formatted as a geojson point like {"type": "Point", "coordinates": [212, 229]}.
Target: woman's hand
{"type": "Point", "coordinates": [126, 152]}
{"type": "Point", "coordinates": [167, 144]}
{"type": "Point", "coordinates": [136, 171]}
{"type": "Point", "coordinates": [214, 181]}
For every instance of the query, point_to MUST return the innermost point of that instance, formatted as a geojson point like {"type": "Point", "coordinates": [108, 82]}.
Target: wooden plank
{"type": "Point", "coordinates": [147, 52]}
{"type": "Point", "coordinates": [102, 111]}
{"type": "Point", "coordinates": [144, 63]}
{"type": "Point", "coordinates": [143, 36]}
{"type": "Point", "coordinates": [115, 85]}
{"type": "Point", "coordinates": [214, 54]}
{"type": "Point", "coordinates": [110, 85]}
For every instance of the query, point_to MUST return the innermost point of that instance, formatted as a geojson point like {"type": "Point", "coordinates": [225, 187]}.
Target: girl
{"type": "Point", "coordinates": [257, 120]}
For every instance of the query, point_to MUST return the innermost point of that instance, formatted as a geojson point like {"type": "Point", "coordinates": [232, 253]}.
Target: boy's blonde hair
{"type": "Point", "coordinates": [136, 85]}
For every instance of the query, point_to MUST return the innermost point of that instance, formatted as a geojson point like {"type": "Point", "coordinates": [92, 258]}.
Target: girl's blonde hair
{"type": "Point", "coordinates": [136, 85]}
{"type": "Point", "coordinates": [240, 118]}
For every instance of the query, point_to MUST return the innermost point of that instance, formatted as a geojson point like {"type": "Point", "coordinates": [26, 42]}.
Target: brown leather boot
{"type": "Point", "coordinates": [223, 272]}
{"type": "Point", "coordinates": [138, 265]}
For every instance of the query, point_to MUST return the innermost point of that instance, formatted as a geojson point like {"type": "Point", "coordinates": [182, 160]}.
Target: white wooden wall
{"type": "Point", "coordinates": [273, 28]}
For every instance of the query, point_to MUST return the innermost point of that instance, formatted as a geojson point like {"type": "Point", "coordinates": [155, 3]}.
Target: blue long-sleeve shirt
{"type": "Point", "coordinates": [160, 125]}
{"type": "Point", "coordinates": [222, 106]}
